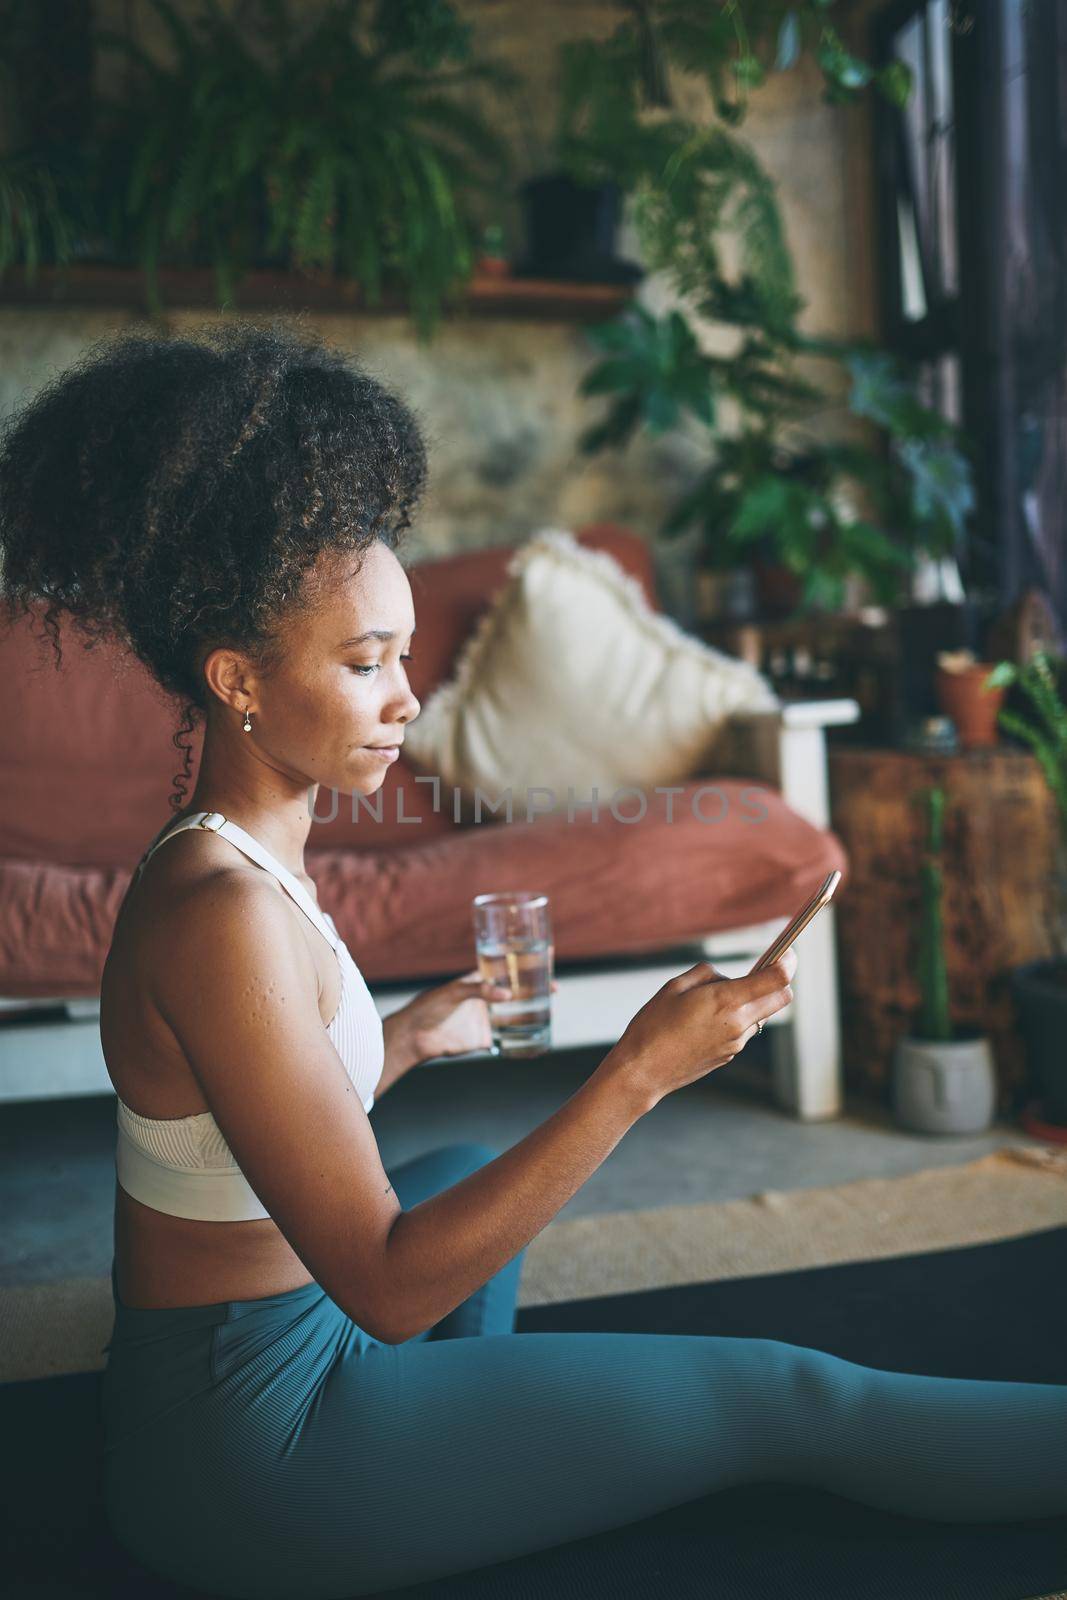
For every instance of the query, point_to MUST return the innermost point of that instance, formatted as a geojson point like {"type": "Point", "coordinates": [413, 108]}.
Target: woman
{"type": "Point", "coordinates": [313, 1385]}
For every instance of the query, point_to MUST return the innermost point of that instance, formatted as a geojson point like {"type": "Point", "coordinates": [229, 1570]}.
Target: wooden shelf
{"type": "Point", "coordinates": [864, 656]}
{"type": "Point", "coordinates": [90, 284]}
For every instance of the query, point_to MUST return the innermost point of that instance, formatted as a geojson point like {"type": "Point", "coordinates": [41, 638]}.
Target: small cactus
{"type": "Point", "coordinates": [935, 1022]}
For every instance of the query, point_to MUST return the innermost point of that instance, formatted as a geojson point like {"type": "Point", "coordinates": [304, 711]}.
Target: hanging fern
{"type": "Point", "coordinates": [340, 152]}
{"type": "Point", "coordinates": [712, 184]}
{"type": "Point", "coordinates": [39, 216]}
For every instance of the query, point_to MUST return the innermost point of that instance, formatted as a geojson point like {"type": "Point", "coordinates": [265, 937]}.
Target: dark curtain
{"type": "Point", "coordinates": [1032, 290]}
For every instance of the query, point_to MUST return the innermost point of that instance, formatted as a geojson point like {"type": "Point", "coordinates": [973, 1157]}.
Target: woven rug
{"type": "Point", "coordinates": [956, 1270]}
{"type": "Point", "coordinates": [62, 1327]}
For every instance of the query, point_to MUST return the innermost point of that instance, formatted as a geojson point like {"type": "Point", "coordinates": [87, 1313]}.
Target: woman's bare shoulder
{"type": "Point", "coordinates": [224, 917]}
{"type": "Point", "coordinates": [176, 910]}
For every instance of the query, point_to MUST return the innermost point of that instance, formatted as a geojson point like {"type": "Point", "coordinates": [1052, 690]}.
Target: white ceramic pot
{"type": "Point", "coordinates": [944, 1087]}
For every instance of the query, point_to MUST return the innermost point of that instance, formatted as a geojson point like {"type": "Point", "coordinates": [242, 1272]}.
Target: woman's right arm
{"type": "Point", "coordinates": [443, 1249]}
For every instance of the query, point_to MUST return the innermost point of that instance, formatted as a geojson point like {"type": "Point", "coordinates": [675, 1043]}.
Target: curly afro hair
{"type": "Point", "coordinates": [173, 492]}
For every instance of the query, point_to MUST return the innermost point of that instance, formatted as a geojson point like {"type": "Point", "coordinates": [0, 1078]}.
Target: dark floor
{"type": "Point", "coordinates": [719, 1139]}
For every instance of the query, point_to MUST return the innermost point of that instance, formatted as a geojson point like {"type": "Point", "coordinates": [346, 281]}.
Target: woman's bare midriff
{"type": "Point", "coordinates": [160, 1260]}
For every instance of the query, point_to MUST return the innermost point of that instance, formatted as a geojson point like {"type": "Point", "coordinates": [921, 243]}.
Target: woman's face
{"type": "Point", "coordinates": [338, 693]}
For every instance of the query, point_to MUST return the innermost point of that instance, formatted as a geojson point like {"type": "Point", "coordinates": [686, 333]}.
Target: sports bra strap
{"type": "Point", "coordinates": [215, 822]}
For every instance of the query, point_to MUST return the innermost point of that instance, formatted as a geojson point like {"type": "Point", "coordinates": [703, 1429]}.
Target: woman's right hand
{"type": "Point", "coordinates": [696, 1022]}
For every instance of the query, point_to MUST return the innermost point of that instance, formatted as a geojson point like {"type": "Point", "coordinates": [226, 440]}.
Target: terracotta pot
{"type": "Point", "coordinates": [492, 267]}
{"type": "Point", "coordinates": [973, 709]}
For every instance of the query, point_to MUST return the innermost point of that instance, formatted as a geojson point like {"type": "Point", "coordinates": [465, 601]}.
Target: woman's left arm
{"type": "Point", "coordinates": [448, 1020]}
{"type": "Point", "coordinates": [400, 1053]}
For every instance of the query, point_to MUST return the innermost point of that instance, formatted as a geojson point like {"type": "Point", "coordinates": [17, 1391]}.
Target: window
{"type": "Point", "coordinates": [973, 252]}
{"type": "Point", "coordinates": [917, 165]}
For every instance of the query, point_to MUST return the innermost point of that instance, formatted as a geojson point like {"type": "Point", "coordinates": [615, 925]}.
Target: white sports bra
{"type": "Point", "coordinates": [183, 1165]}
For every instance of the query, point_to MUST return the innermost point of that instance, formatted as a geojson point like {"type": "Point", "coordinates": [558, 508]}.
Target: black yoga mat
{"type": "Point", "coordinates": [983, 1311]}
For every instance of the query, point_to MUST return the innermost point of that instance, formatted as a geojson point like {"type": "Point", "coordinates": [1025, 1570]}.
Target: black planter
{"type": "Point", "coordinates": [571, 230]}
{"type": "Point", "coordinates": [1040, 990]}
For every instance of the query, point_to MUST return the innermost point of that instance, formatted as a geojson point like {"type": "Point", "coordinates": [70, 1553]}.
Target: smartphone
{"type": "Point", "coordinates": [820, 898]}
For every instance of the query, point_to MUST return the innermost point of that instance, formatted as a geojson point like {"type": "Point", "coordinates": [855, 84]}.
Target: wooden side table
{"type": "Point", "coordinates": [999, 849]}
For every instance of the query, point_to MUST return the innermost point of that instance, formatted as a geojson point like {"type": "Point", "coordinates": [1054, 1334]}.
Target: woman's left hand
{"type": "Point", "coordinates": [453, 1017]}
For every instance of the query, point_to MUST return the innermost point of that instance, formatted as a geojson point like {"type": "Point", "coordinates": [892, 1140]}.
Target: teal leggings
{"type": "Point", "coordinates": [270, 1448]}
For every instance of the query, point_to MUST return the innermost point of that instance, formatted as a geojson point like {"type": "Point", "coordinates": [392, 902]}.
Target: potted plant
{"type": "Point", "coordinates": [493, 261]}
{"type": "Point", "coordinates": [1039, 718]}
{"type": "Point", "coordinates": [770, 498]}
{"type": "Point", "coordinates": [333, 146]}
{"type": "Point", "coordinates": [965, 694]}
{"type": "Point", "coordinates": [785, 505]}
{"type": "Point", "coordinates": [943, 1078]}
{"type": "Point", "coordinates": [571, 229]}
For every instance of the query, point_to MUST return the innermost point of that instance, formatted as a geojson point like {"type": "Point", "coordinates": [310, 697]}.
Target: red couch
{"type": "Point", "coordinates": [87, 765]}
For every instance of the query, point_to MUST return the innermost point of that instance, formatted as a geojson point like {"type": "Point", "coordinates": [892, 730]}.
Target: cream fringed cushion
{"type": "Point", "coordinates": [572, 681]}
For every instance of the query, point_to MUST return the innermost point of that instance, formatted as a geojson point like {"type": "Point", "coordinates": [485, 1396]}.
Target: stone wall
{"type": "Point", "coordinates": [498, 397]}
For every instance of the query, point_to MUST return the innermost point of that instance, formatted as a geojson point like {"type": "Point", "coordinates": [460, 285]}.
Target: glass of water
{"type": "Point", "coordinates": [513, 942]}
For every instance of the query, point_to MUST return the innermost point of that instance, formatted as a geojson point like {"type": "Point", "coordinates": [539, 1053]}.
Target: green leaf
{"type": "Point", "coordinates": [748, 71]}
{"type": "Point", "coordinates": [660, 410]}
{"type": "Point", "coordinates": [895, 82]}
{"type": "Point", "coordinates": [1003, 674]}
{"type": "Point", "coordinates": [621, 373]}
{"type": "Point", "coordinates": [615, 429]}
{"type": "Point", "coordinates": [313, 244]}
{"type": "Point", "coordinates": [763, 506]}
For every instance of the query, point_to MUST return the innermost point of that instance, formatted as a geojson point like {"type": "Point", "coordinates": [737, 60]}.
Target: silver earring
{"type": "Point", "coordinates": [247, 726]}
